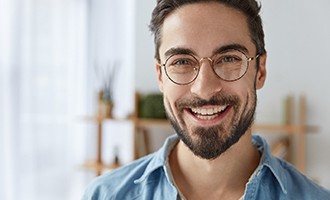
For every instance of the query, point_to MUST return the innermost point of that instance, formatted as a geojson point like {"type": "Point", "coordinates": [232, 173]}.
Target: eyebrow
{"type": "Point", "coordinates": [181, 50]}
{"type": "Point", "coordinates": [178, 50]}
{"type": "Point", "coordinates": [230, 47]}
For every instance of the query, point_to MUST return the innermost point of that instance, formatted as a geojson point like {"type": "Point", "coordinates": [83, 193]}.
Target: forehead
{"type": "Point", "coordinates": [204, 27]}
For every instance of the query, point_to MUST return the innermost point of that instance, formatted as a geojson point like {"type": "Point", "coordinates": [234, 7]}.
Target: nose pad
{"type": "Point", "coordinates": [207, 58]}
{"type": "Point", "coordinates": [201, 63]}
{"type": "Point", "coordinates": [207, 68]}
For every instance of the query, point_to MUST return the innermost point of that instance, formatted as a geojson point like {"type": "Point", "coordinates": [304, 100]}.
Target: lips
{"type": "Point", "coordinates": [208, 113]}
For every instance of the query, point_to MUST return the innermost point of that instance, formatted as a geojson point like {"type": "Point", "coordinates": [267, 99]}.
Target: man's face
{"type": "Point", "coordinates": [209, 114]}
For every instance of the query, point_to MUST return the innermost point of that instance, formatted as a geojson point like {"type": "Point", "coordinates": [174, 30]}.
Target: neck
{"type": "Point", "coordinates": [225, 176]}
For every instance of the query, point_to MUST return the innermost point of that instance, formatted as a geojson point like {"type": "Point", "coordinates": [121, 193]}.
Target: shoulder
{"type": "Point", "coordinates": [141, 179]}
{"type": "Point", "coordinates": [300, 186]}
{"type": "Point", "coordinates": [119, 182]}
{"type": "Point", "coordinates": [279, 178]}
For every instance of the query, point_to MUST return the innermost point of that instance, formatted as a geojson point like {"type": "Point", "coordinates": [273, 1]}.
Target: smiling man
{"type": "Point", "coordinates": [210, 60]}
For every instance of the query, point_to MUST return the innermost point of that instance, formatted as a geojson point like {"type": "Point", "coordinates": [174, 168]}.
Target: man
{"type": "Point", "coordinates": [210, 60]}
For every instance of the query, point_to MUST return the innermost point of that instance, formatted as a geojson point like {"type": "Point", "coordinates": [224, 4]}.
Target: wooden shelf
{"type": "Point", "coordinates": [93, 165]}
{"type": "Point", "coordinates": [286, 129]}
{"type": "Point", "coordinates": [151, 122]}
{"type": "Point", "coordinates": [100, 119]}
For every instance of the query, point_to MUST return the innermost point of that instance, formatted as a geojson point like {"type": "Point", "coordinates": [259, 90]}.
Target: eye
{"type": "Point", "coordinates": [227, 59]}
{"type": "Point", "coordinates": [182, 61]}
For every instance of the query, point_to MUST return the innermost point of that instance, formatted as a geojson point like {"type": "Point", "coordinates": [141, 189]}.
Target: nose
{"type": "Point", "coordinates": [207, 82]}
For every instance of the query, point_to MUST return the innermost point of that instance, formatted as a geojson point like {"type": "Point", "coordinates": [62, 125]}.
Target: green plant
{"type": "Point", "coordinates": [152, 106]}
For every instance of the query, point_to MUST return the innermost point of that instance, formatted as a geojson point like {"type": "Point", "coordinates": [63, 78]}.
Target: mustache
{"type": "Point", "coordinates": [215, 100]}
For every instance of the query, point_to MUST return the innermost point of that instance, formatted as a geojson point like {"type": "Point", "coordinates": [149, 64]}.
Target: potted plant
{"type": "Point", "coordinates": [107, 76]}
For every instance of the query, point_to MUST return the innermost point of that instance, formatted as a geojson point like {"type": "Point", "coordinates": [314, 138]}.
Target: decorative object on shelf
{"type": "Point", "coordinates": [107, 75]}
{"type": "Point", "coordinates": [104, 106]}
{"type": "Point", "coordinates": [151, 106]}
{"type": "Point", "coordinates": [116, 161]}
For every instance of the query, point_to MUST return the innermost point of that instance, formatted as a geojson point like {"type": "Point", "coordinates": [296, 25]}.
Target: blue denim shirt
{"type": "Point", "coordinates": [150, 178]}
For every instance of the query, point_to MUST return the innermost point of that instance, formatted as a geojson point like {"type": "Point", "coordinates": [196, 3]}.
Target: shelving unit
{"type": "Point", "coordinates": [295, 133]}
{"type": "Point", "coordinates": [140, 128]}
{"type": "Point", "coordinates": [292, 131]}
{"type": "Point", "coordinates": [98, 164]}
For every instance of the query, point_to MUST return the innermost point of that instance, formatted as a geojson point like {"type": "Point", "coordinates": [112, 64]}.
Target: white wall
{"type": "Point", "coordinates": [111, 42]}
{"type": "Point", "coordinates": [145, 78]}
{"type": "Point", "coordinates": [297, 41]}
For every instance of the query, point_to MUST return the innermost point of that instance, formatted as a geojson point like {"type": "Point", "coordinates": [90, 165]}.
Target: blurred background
{"type": "Point", "coordinates": [57, 55]}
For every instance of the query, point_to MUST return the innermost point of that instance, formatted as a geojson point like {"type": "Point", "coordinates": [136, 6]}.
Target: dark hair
{"type": "Point", "coordinates": [249, 7]}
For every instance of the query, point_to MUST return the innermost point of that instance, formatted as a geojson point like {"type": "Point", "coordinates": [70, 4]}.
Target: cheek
{"type": "Point", "coordinates": [251, 78]}
{"type": "Point", "coordinates": [172, 93]}
{"type": "Point", "coordinates": [248, 96]}
{"type": "Point", "coordinates": [243, 88]}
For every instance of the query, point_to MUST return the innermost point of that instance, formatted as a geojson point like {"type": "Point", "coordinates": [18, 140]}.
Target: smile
{"type": "Point", "coordinates": [208, 113]}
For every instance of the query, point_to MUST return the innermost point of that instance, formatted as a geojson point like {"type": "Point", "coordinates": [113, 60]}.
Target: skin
{"type": "Point", "coordinates": [194, 27]}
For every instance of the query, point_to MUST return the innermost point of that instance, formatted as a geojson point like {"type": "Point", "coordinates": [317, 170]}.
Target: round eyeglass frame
{"type": "Point", "coordinates": [248, 60]}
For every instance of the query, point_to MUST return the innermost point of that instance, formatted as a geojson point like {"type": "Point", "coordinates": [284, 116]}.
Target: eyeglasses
{"type": "Point", "coordinates": [230, 65]}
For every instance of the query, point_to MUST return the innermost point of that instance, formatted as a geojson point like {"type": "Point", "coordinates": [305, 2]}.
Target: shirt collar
{"type": "Point", "coordinates": [160, 160]}
{"type": "Point", "coordinates": [270, 162]}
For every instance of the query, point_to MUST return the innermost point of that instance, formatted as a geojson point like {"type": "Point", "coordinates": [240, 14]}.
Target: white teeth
{"type": "Point", "coordinates": [207, 117]}
{"type": "Point", "coordinates": [208, 111]}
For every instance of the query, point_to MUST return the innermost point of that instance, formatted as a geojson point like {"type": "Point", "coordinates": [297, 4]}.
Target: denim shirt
{"type": "Point", "coordinates": [150, 178]}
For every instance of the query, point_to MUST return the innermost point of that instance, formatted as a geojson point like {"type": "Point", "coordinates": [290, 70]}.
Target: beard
{"type": "Point", "coordinates": [210, 142]}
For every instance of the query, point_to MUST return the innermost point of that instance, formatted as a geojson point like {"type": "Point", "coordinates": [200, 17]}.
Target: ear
{"type": "Point", "coordinates": [159, 77]}
{"type": "Point", "coordinates": [261, 73]}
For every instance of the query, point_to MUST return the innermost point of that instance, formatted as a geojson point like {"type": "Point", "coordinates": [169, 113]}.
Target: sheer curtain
{"type": "Point", "coordinates": [43, 90]}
